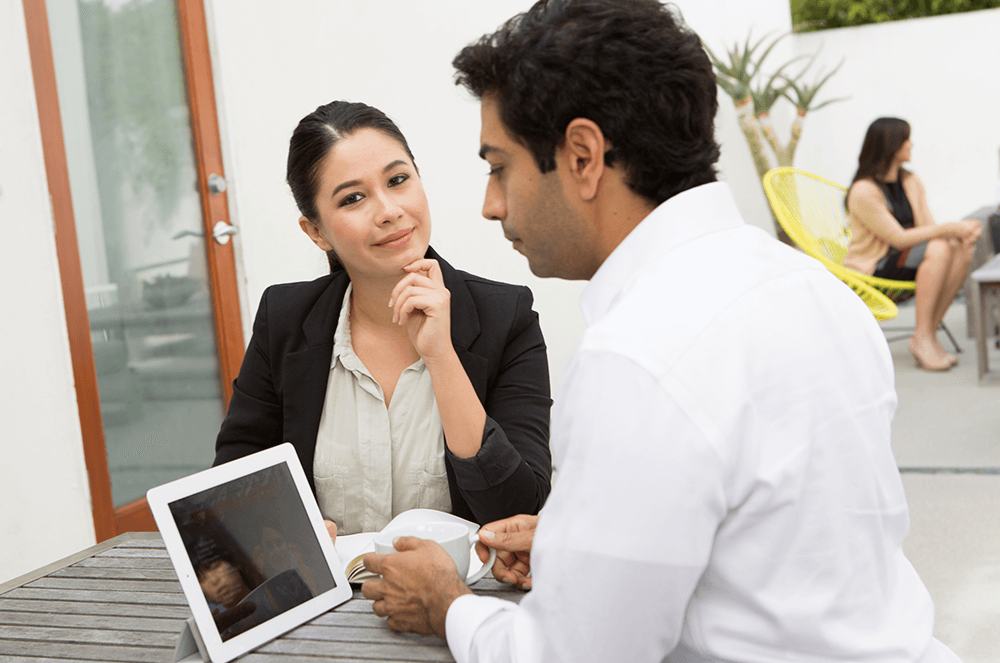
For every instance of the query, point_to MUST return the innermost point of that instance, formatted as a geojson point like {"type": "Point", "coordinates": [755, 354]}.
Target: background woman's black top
{"type": "Point", "coordinates": [899, 204]}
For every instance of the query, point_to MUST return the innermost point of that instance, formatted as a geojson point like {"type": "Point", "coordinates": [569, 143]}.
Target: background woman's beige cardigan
{"type": "Point", "coordinates": [872, 235]}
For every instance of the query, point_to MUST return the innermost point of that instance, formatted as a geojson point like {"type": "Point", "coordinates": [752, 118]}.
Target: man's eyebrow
{"type": "Point", "coordinates": [397, 162]}
{"type": "Point", "coordinates": [486, 149]}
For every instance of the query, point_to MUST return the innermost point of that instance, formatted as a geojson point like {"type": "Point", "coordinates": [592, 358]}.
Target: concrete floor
{"type": "Point", "coordinates": [946, 437]}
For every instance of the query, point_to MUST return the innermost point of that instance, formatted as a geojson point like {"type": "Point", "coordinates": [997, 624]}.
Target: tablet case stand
{"type": "Point", "coordinates": [190, 647]}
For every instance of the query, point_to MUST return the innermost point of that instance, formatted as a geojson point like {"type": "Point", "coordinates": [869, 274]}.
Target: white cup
{"type": "Point", "coordinates": [453, 537]}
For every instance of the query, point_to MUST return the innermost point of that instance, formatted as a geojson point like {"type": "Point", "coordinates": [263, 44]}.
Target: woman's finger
{"type": "Point", "coordinates": [409, 280]}
{"type": "Point", "coordinates": [428, 266]}
{"type": "Point", "coordinates": [427, 301]}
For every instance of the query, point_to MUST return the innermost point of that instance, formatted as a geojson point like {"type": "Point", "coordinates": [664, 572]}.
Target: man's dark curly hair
{"type": "Point", "coordinates": [631, 66]}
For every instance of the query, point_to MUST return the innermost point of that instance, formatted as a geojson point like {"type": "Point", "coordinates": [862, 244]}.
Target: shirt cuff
{"type": "Point", "coordinates": [493, 464]}
{"type": "Point", "coordinates": [465, 615]}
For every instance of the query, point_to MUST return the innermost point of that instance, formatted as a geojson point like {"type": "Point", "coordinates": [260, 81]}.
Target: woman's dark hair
{"type": "Point", "coordinates": [631, 67]}
{"type": "Point", "coordinates": [884, 138]}
{"type": "Point", "coordinates": [312, 141]}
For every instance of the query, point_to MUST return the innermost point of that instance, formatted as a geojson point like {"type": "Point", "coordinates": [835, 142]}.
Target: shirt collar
{"type": "Point", "coordinates": [689, 215]}
{"type": "Point", "coordinates": [343, 349]}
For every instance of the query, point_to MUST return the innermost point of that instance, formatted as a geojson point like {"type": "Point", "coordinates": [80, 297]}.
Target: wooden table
{"type": "Point", "coordinates": [121, 601]}
{"type": "Point", "coordinates": [986, 311]}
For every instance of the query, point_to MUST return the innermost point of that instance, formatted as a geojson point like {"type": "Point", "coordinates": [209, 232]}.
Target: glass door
{"type": "Point", "coordinates": [152, 236]}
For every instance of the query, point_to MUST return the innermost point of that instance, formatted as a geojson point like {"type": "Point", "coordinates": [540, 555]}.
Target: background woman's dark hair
{"type": "Point", "coordinates": [884, 138]}
{"type": "Point", "coordinates": [631, 67]}
{"type": "Point", "coordinates": [313, 139]}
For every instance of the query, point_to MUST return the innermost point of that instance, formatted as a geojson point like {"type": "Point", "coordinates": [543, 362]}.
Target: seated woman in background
{"type": "Point", "coordinates": [894, 235]}
{"type": "Point", "coordinates": [401, 381]}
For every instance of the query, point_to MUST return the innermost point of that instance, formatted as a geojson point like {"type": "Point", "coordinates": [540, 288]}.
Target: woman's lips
{"type": "Point", "coordinates": [396, 239]}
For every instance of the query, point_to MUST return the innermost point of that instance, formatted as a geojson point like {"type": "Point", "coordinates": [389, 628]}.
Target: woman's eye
{"type": "Point", "coordinates": [398, 179]}
{"type": "Point", "coordinates": [350, 199]}
{"type": "Point", "coordinates": [495, 170]}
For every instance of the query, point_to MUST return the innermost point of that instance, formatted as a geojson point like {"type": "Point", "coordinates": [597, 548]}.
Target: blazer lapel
{"type": "Point", "coordinates": [307, 372]}
{"type": "Point", "coordinates": [465, 327]}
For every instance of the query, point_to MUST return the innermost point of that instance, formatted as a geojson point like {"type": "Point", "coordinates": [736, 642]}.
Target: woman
{"type": "Point", "coordinates": [400, 381]}
{"type": "Point", "coordinates": [894, 235]}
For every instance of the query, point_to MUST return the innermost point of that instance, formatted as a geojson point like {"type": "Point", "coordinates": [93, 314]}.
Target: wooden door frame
{"type": "Point", "coordinates": [109, 521]}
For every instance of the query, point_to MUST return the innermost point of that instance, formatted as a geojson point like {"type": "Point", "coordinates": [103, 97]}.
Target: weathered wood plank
{"type": "Point", "coordinates": [116, 573]}
{"type": "Point", "coordinates": [82, 652]}
{"type": "Point", "coordinates": [47, 634]}
{"type": "Point", "coordinates": [153, 542]}
{"type": "Point", "coordinates": [111, 587]}
{"type": "Point", "coordinates": [96, 596]}
{"type": "Point", "coordinates": [108, 622]}
{"type": "Point", "coordinates": [125, 563]}
{"type": "Point", "coordinates": [360, 619]}
{"type": "Point", "coordinates": [303, 658]}
{"type": "Point", "coordinates": [41, 659]}
{"type": "Point", "coordinates": [135, 552]}
{"type": "Point", "coordinates": [90, 608]}
{"type": "Point", "coordinates": [377, 633]}
{"type": "Point", "coordinates": [356, 604]}
{"type": "Point", "coordinates": [415, 651]}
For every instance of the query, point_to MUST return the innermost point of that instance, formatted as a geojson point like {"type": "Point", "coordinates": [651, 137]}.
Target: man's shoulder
{"type": "Point", "coordinates": [741, 279]}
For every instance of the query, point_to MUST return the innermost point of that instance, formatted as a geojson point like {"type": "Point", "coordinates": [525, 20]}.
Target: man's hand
{"type": "Point", "coordinates": [512, 538]}
{"type": "Point", "coordinates": [417, 586]}
{"type": "Point", "coordinates": [331, 529]}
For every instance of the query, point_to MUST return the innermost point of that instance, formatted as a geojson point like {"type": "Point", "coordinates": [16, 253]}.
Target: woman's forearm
{"type": "Point", "coordinates": [913, 236]}
{"type": "Point", "coordinates": [462, 415]}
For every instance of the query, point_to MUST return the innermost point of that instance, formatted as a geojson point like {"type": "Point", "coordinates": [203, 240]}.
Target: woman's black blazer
{"type": "Point", "coordinates": [279, 394]}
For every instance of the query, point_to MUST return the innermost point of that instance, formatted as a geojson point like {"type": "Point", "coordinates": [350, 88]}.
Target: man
{"type": "Point", "coordinates": [726, 487]}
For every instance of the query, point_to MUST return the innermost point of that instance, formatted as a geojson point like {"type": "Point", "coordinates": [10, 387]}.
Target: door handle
{"type": "Point", "coordinates": [221, 232]}
{"type": "Point", "coordinates": [216, 184]}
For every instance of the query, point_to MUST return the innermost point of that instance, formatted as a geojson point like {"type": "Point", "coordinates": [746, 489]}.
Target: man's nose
{"type": "Point", "coordinates": [493, 203]}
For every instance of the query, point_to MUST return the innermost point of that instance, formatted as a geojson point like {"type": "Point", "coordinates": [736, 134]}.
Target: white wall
{"type": "Point", "coordinates": [722, 25]}
{"type": "Point", "coordinates": [46, 511]}
{"type": "Point", "coordinates": [942, 75]}
{"type": "Point", "coordinates": [276, 62]}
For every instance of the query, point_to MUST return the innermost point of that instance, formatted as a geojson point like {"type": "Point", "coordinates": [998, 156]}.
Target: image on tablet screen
{"type": "Point", "coordinates": [252, 548]}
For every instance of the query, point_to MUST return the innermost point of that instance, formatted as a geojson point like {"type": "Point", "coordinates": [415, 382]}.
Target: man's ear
{"type": "Point", "coordinates": [583, 151]}
{"type": "Point", "coordinates": [312, 229]}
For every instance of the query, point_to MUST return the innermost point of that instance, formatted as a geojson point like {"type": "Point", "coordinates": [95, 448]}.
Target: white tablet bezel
{"type": "Point", "coordinates": [161, 497]}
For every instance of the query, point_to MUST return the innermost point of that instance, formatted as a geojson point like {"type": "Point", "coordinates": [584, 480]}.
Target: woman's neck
{"type": "Point", "coordinates": [370, 303]}
{"type": "Point", "coordinates": [892, 174]}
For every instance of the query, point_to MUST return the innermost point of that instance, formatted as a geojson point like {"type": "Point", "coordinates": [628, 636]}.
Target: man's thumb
{"type": "Point", "coordinates": [404, 543]}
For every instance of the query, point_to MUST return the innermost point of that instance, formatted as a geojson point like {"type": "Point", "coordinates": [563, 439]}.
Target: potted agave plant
{"type": "Point", "coordinates": [754, 94]}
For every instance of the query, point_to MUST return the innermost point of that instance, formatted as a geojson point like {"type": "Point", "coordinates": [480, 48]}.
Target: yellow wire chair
{"type": "Point", "coordinates": [811, 210]}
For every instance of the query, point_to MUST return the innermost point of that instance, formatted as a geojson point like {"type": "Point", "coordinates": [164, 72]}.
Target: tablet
{"type": "Point", "coordinates": [250, 549]}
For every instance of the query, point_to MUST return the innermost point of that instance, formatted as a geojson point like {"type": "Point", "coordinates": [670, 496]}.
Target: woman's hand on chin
{"type": "Point", "coordinates": [422, 303]}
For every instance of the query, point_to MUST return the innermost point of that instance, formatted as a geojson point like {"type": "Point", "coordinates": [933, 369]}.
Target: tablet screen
{"type": "Point", "coordinates": [252, 547]}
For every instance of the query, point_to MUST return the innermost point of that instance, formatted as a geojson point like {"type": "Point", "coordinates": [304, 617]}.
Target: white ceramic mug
{"type": "Point", "coordinates": [453, 537]}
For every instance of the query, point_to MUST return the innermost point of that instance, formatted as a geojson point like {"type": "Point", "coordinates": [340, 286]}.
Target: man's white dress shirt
{"type": "Point", "coordinates": [373, 462]}
{"type": "Point", "coordinates": [726, 488]}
